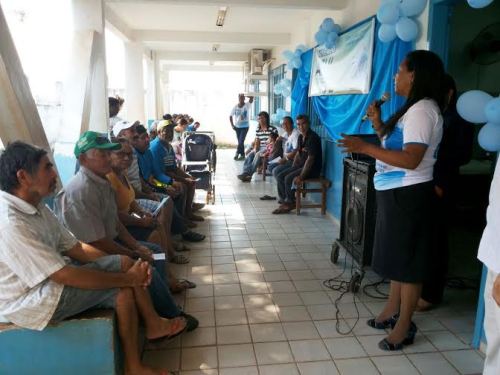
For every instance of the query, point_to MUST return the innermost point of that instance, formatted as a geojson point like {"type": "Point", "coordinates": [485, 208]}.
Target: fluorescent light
{"type": "Point", "coordinates": [221, 16]}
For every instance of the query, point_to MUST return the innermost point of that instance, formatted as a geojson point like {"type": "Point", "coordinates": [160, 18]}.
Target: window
{"type": "Point", "coordinates": [277, 101]}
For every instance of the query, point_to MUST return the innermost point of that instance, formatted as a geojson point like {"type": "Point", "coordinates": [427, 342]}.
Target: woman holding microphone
{"type": "Point", "coordinates": [405, 227]}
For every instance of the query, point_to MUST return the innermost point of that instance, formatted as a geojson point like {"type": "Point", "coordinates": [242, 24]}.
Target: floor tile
{"type": "Point", "coordinates": [431, 364]}
{"type": "Point", "coordinates": [257, 300]}
{"type": "Point", "coordinates": [230, 317]}
{"type": "Point", "coordinates": [345, 347]}
{"type": "Point", "coordinates": [227, 290]}
{"type": "Point", "coordinates": [199, 304]}
{"type": "Point", "coordinates": [317, 368]}
{"type": "Point", "coordinates": [309, 350]}
{"type": "Point", "coordinates": [267, 332]}
{"type": "Point", "coordinates": [300, 330]}
{"type": "Point", "coordinates": [199, 358]}
{"type": "Point", "coordinates": [229, 302]}
{"type": "Point", "coordinates": [169, 359]}
{"type": "Point", "coordinates": [273, 352]}
{"type": "Point", "coordinates": [266, 314]}
{"type": "Point", "coordinates": [233, 335]}
{"type": "Point", "coordinates": [396, 365]}
{"type": "Point", "coordinates": [236, 355]}
{"type": "Point", "coordinates": [287, 299]}
{"type": "Point", "coordinates": [370, 344]}
{"type": "Point", "coordinates": [445, 340]}
{"type": "Point", "coordinates": [251, 370]}
{"type": "Point", "coordinates": [465, 361]}
{"type": "Point", "coordinates": [293, 313]}
{"type": "Point", "coordinates": [358, 366]}
{"type": "Point", "coordinates": [202, 336]}
{"type": "Point", "coordinates": [289, 369]}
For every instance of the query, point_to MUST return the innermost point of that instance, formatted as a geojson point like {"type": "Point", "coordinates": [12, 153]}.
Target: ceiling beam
{"type": "Point", "coordinates": [202, 68]}
{"type": "Point", "coordinates": [267, 39]}
{"type": "Point", "coordinates": [115, 23]}
{"type": "Point", "coordinates": [282, 4]}
{"type": "Point", "coordinates": [202, 56]}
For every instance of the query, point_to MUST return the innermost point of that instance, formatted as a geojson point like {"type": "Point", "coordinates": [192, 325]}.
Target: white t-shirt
{"type": "Point", "coordinates": [421, 124]}
{"type": "Point", "coordinates": [489, 250]}
{"type": "Point", "coordinates": [292, 141]}
{"type": "Point", "coordinates": [241, 115]}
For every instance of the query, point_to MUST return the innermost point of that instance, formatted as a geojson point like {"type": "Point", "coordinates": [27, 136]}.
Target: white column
{"type": "Point", "coordinates": [151, 89]}
{"type": "Point", "coordinates": [160, 108]}
{"type": "Point", "coordinates": [134, 82]}
{"type": "Point", "coordinates": [85, 100]}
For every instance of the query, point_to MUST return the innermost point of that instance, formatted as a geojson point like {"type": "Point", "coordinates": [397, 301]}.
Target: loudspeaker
{"type": "Point", "coordinates": [357, 224]}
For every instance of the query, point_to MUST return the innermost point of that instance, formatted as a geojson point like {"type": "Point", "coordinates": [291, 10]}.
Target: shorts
{"type": "Point", "coordinates": [75, 300]}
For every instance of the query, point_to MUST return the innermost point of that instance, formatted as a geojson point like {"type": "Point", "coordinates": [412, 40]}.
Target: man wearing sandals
{"type": "Point", "coordinates": [40, 286]}
{"type": "Point", "coordinates": [87, 207]}
{"type": "Point", "coordinates": [307, 163]}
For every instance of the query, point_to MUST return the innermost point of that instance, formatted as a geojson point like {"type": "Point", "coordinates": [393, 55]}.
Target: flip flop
{"type": "Point", "coordinates": [183, 285]}
{"type": "Point", "coordinates": [173, 335]}
{"type": "Point", "coordinates": [180, 247]}
{"type": "Point", "coordinates": [282, 210]}
{"type": "Point", "coordinates": [178, 259]}
{"type": "Point", "coordinates": [267, 198]}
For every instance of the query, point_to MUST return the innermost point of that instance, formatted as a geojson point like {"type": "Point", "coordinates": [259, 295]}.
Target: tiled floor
{"type": "Point", "coordinates": [264, 310]}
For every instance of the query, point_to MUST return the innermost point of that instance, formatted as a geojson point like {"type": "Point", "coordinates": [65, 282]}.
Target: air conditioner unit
{"type": "Point", "coordinates": [257, 59]}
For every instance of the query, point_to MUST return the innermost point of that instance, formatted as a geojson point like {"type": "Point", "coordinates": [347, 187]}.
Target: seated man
{"type": "Point", "coordinates": [164, 157]}
{"type": "Point", "coordinates": [306, 164]}
{"type": "Point", "coordinates": [143, 186]}
{"type": "Point", "coordinates": [39, 286]}
{"type": "Point", "coordinates": [87, 207]}
{"type": "Point", "coordinates": [254, 157]}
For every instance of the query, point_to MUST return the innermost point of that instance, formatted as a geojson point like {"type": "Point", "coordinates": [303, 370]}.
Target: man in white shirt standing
{"type": "Point", "coordinates": [489, 254]}
{"type": "Point", "coordinates": [240, 121]}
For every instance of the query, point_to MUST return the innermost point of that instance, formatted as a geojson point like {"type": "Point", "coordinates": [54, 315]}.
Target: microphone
{"type": "Point", "coordinates": [385, 97]}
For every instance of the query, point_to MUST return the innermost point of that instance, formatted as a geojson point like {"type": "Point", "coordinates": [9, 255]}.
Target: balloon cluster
{"type": "Point", "coordinates": [395, 17]}
{"type": "Point", "coordinates": [479, 107]}
{"type": "Point", "coordinates": [479, 3]}
{"type": "Point", "coordinates": [283, 87]}
{"type": "Point", "coordinates": [277, 117]}
{"type": "Point", "coordinates": [294, 61]}
{"type": "Point", "coordinates": [328, 33]}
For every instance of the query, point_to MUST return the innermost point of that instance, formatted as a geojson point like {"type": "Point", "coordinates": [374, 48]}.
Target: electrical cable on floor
{"type": "Point", "coordinates": [375, 286]}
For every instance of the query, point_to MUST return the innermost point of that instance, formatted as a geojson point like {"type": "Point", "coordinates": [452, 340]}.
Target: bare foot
{"type": "Point", "coordinates": [165, 328]}
{"type": "Point", "coordinates": [144, 370]}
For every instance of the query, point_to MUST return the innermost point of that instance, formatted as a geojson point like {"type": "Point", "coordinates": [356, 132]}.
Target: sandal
{"type": "Point", "coordinates": [283, 210]}
{"type": "Point", "coordinates": [182, 285]}
{"type": "Point", "coordinates": [178, 259]}
{"type": "Point", "coordinates": [391, 322]}
{"type": "Point", "coordinates": [178, 246]}
{"type": "Point", "coordinates": [175, 334]}
{"type": "Point", "coordinates": [267, 198]}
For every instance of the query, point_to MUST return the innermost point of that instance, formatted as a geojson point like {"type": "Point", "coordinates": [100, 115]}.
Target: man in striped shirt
{"type": "Point", "coordinates": [254, 157]}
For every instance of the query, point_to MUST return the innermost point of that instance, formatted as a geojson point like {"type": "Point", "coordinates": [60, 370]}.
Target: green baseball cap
{"type": "Point", "coordinates": [90, 140]}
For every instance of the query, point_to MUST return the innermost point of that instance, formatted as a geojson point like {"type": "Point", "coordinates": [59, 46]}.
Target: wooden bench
{"type": "Point", "coordinates": [302, 190]}
{"type": "Point", "coordinates": [82, 345]}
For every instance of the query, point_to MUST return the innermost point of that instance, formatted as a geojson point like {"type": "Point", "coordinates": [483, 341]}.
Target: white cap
{"type": "Point", "coordinates": [121, 125]}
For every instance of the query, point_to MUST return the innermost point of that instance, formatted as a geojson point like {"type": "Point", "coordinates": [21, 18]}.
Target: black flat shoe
{"type": "Point", "coordinates": [391, 322]}
{"type": "Point", "coordinates": [390, 347]}
{"type": "Point", "coordinates": [408, 340]}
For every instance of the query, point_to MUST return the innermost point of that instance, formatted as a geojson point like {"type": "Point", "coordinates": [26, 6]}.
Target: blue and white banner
{"type": "Point", "coordinates": [346, 68]}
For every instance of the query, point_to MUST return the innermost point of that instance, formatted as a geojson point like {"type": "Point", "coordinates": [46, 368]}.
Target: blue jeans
{"type": "Point", "coordinates": [159, 289]}
{"type": "Point", "coordinates": [241, 134]}
{"type": "Point", "coordinates": [252, 161]}
{"type": "Point", "coordinates": [284, 178]}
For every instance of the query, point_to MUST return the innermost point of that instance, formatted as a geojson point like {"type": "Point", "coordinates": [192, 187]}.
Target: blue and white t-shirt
{"type": "Point", "coordinates": [292, 141]}
{"type": "Point", "coordinates": [241, 115]}
{"type": "Point", "coordinates": [421, 124]}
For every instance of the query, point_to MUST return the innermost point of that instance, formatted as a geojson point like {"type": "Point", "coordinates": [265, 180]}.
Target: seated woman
{"type": "Point", "coordinates": [140, 223]}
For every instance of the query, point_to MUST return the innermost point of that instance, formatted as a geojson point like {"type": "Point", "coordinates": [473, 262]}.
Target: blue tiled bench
{"type": "Point", "coordinates": [86, 344]}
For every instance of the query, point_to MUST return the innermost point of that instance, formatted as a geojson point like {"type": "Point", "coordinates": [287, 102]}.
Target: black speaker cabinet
{"type": "Point", "coordinates": [357, 224]}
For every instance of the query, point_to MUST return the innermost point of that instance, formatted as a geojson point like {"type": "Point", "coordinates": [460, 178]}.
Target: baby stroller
{"type": "Point", "coordinates": [199, 160]}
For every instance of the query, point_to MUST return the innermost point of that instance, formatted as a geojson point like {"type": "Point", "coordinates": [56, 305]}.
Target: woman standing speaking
{"type": "Point", "coordinates": [405, 227]}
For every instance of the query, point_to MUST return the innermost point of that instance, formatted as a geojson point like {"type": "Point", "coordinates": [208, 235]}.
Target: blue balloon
{"type": "Point", "coordinates": [327, 25]}
{"type": "Point", "coordinates": [286, 92]}
{"type": "Point", "coordinates": [471, 106]}
{"type": "Point", "coordinates": [274, 118]}
{"type": "Point", "coordinates": [287, 82]}
{"type": "Point", "coordinates": [302, 48]}
{"type": "Point", "coordinates": [297, 53]}
{"type": "Point", "coordinates": [406, 29]}
{"type": "Point", "coordinates": [492, 111]}
{"type": "Point", "coordinates": [287, 54]}
{"type": "Point", "coordinates": [412, 8]}
{"type": "Point", "coordinates": [332, 37]}
{"type": "Point", "coordinates": [277, 90]}
{"type": "Point", "coordinates": [489, 137]}
{"type": "Point", "coordinates": [289, 65]}
{"type": "Point", "coordinates": [296, 62]}
{"type": "Point", "coordinates": [388, 13]}
{"type": "Point", "coordinates": [479, 3]}
{"type": "Point", "coordinates": [320, 36]}
{"type": "Point", "coordinates": [337, 28]}
{"type": "Point", "coordinates": [387, 33]}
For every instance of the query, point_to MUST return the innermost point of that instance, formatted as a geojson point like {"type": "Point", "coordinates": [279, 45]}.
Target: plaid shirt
{"type": "Point", "coordinates": [32, 245]}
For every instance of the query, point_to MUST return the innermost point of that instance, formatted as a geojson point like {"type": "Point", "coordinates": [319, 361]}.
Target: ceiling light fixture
{"type": "Point", "coordinates": [221, 16]}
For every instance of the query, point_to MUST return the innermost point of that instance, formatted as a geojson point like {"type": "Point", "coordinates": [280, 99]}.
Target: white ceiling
{"type": "Point", "coordinates": [187, 26]}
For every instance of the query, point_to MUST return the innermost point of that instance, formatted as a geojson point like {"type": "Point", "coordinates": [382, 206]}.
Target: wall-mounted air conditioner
{"type": "Point", "coordinates": [257, 61]}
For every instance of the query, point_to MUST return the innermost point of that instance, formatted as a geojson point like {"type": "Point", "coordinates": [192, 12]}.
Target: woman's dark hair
{"type": "Point", "coordinates": [16, 156]}
{"type": "Point", "coordinates": [140, 129]}
{"type": "Point", "coordinates": [113, 102]}
{"type": "Point", "coordinates": [449, 84]}
{"type": "Point", "coordinates": [266, 116]}
{"type": "Point", "coordinates": [167, 116]}
{"type": "Point", "coordinates": [428, 83]}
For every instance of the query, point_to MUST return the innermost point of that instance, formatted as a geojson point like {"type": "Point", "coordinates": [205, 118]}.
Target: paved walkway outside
{"type": "Point", "coordinates": [264, 310]}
